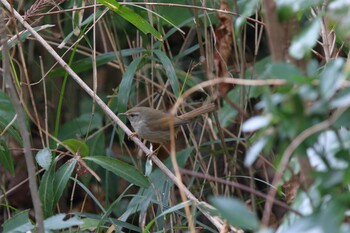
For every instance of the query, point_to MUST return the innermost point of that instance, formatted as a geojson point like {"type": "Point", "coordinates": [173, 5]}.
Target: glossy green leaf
{"type": "Point", "coordinates": [169, 70]}
{"type": "Point", "coordinates": [44, 158]}
{"type": "Point", "coordinates": [46, 191]}
{"type": "Point", "coordinates": [61, 179]}
{"type": "Point", "coordinates": [5, 158]}
{"type": "Point", "coordinates": [126, 84]}
{"type": "Point", "coordinates": [235, 212]}
{"type": "Point", "coordinates": [132, 17]}
{"type": "Point", "coordinates": [77, 146]}
{"type": "Point", "coordinates": [304, 41]}
{"type": "Point", "coordinates": [18, 223]}
{"type": "Point", "coordinates": [121, 169]}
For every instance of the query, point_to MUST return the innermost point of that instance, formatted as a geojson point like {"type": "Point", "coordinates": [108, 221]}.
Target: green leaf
{"type": "Point", "coordinates": [46, 191]}
{"type": "Point", "coordinates": [61, 179]}
{"type": "Point", "coordinates": [126, 84]}
{"type": "Point", "coordinates": [304, 41]}
{"type": "Point", "coordinates": [86, 22]}
{"type": "Point", "coordinates": [235, 212]}
{"type": "Point", "coordinates": [173, 209]}
{"type": "Point", "coordinates": [18, 223]}
{"type": "Point", "coordinates": [286, 71]}
{"type": "Point", "coordinates": [77, 146]}
{"type": "Point", "coordinates": [246, 9]}
{"type": "Point", "coordinates": [24, 35]}
{"type": "Point", "coordinates": [169, 70]}
{"type": "Point", "coordinates": [44, 158]}
{"type": "Point", "coordinates": [80, 126]}
{"type": "Point", "coordinates": [297, 5]}
{"type": "Point", "coordinates": [5, 158]}
{"type": "Point", "coordinates": [7, 114]}
{"type": "Point", "coordinates": [331, 78]}
{"type": "Point", "coordinates": [159, 181]}
{"type": "Point", "coordinates": [132, 17]}
{"type": "Point", "coordinates": [121, 169]}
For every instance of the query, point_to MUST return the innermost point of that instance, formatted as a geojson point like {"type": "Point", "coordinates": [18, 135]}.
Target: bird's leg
{"type": "Point", "coordinates": [133, 134]}
{"type": "Point", "coordinates": [149, 155]}
{"type": "Point", "coordinates": [152, 152]}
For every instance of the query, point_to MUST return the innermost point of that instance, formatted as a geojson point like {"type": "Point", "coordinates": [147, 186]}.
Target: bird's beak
{"type": "Point", "coordinates": [122, 114]}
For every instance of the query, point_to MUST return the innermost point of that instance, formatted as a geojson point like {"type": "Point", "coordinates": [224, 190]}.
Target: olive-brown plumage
{"type": "Point", "coordinates": [154, 125]}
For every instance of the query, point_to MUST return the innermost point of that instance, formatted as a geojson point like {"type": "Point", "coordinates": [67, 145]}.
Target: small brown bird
{"type": "Point", "coordinates": [154, 125]}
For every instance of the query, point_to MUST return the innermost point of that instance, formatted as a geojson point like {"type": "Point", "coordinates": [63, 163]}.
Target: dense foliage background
{"type": "Point", "coordinates": [274, 157]}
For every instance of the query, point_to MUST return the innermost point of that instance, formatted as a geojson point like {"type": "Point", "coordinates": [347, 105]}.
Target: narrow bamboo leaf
{"type": "Point", "coordinates": [61, 179]}
{"type": "Point", "coordinates": [46, 191]}
{"type": "Point", "coordinates": [235, 212]}
{"type": "Point", "coordinates": [169, 70]}
{"type": "Point", "coordinates": [126, 84]}
{"type": "Point", "coordinates": [5, 158]}
{"type": "Point", "coordinates": [121, 169]}
{"type": "Point", "coordinates": [77, 146]}
{"type": "Point", "coordinates": [132, 17]}
{"type": "Point", "coordinates": [86, 22]}
{"type": "Point", "coordinates": [173, 209]}
{"type": "Point", "coordinates": [24, 35]}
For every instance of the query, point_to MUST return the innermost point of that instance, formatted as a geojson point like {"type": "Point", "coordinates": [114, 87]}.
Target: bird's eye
{"type": "Point", "coordinates": [133, 115]}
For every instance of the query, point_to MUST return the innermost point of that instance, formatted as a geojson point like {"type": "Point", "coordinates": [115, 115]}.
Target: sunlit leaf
{"type": "Point", "coordinates": [256, 123]}
{"type": "Point", "coordinates": [304, 41]}
{"type": "Point", "coordinates": [331, 78]}
{"type": "Point", "coordinates": [121, 169]}
{"type": "Point", "coordinates": [77, 146]}
{"type": "Point", "coordinates": [132, 17]}
{"type": "Point", "coordinates": [254, 151]}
